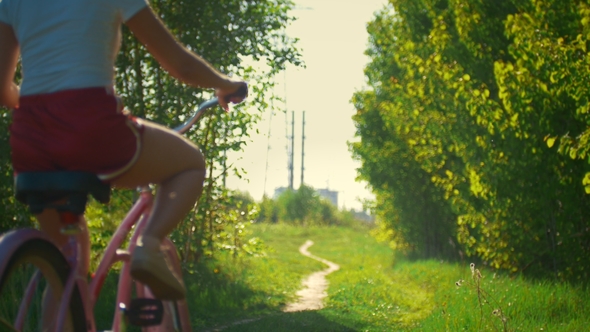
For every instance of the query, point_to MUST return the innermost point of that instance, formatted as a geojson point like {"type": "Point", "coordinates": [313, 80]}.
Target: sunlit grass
{"type": "Point", "coordinates": [525, 305]}
{"type": "Point", "coordinates": [230, 289]}
{"type": "Point", "coordinates": [366, 292]}
{"type": "Point", "coordinates": [372, 291]}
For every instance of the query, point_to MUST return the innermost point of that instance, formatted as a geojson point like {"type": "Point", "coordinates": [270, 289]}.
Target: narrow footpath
{"type": "Point", "coordinates": [311, 296]}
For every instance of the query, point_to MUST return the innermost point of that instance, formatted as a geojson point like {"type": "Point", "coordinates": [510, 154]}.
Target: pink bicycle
{"type": "Point", "coordinates": [31, 264]}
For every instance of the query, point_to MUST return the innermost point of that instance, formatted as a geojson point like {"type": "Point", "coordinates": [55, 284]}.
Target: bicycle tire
{"type": "Point", "coordinates": [177, 310]}
{"type": "Point", "coordinates": [175, 315]}
{"type": "Point", "coordinates": [42, 256]}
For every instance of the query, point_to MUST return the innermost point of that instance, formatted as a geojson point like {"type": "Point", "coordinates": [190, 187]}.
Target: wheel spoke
{"type": "Point", "coordinates": [31, 290]}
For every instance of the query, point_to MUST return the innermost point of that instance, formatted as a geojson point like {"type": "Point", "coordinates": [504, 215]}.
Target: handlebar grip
{"type": "Point", "coordinates": [241, 93]}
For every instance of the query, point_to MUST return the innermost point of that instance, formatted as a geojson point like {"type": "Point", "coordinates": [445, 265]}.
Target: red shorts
{"type": "Point", "coordinates": [77, 130]}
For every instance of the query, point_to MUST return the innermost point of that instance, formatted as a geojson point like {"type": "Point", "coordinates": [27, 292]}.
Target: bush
{"type": "Point", "coordinates": [303, 206]}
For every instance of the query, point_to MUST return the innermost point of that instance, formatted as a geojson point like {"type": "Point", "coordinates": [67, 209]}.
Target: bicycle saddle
{"type": "Point", "coordinates": [40, 190]}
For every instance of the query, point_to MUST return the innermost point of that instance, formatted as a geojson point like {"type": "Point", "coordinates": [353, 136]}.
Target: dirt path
{"type": "Point", "coordinates": [312, 294]}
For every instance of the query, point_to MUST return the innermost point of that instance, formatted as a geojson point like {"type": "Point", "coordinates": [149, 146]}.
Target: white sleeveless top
{"type": "Point", "coordinates": [67, 44]}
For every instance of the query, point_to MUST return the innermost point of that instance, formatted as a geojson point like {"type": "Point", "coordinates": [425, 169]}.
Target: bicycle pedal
{"type": "Point", "coordinates": [145, 312]}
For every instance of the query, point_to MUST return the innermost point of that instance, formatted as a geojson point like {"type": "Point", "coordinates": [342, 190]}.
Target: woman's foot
{"type": "Point", "coordinates": [149, 266]}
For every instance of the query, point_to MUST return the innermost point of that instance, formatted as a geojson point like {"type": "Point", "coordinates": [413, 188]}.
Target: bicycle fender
{"type": "Point", "coordinates": [12, 240]}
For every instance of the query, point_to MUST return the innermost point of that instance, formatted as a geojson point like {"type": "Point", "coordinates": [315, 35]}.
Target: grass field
{"type": "Point", "coordinates": [372, 291]}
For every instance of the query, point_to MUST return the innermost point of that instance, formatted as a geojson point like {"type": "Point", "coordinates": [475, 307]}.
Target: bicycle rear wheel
{"type": "Point", "coordinates": [37, 268]}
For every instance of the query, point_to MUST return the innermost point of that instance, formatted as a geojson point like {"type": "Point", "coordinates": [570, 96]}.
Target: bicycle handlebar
{"type": "Point", "coordinates": [241, 92]}
{"type": "Point", "coordinates": [198, 114]}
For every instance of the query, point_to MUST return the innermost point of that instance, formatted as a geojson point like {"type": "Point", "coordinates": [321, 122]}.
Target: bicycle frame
{"type": "Point", "coordinates": [136, 217]}
{"type": "Point", "coordinates": [134, 221]}
{"type": "Point", "coordinates": [89, 291]}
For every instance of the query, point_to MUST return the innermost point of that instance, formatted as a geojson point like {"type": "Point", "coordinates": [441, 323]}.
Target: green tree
{"type": "Point", "coordinates": [303, 206]}
{"type": "Point", "coordinates": [464, 93]}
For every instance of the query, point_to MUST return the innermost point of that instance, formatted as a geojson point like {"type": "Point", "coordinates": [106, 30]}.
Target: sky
{"type": "Point", "coordinates": [332, 36]}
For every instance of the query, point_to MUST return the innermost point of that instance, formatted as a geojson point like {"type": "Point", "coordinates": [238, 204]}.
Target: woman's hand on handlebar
{"type": "Point", "coordinates": [235, 92]}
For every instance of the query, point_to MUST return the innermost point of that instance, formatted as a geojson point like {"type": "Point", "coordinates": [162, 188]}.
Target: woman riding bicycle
{"type": "Point", "coordinates": [67, 115]}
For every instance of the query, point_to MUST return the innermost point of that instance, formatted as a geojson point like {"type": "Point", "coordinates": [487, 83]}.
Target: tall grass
{"type": "Point", "coordinates": [229, 289]}
{"type": "Point", "coordinates": [512, 303]}
{"type": "Point", "coordinates": [372, 291]}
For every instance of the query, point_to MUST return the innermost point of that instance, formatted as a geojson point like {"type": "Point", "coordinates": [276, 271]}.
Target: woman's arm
{"type": "Point", "coordinates": [9, 52]}
{"type": "Point", "coordinates": [181, 63]}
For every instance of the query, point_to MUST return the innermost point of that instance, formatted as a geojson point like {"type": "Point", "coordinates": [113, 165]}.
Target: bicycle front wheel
{"type": "Point", "coordinates": [176, 315]}
{"type": "Point", "coordinates": [31, 290]}
{"type": "Point", "coordinates": [176, 311]}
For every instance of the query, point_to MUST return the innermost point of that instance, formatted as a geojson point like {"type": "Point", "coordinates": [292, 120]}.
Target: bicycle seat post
{"type": "Point", "coordinates": [70, 223]}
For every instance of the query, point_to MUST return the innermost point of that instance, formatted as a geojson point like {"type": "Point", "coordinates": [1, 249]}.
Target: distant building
{"type": "Point", "coordinates": [330, 195]}
{"type": "Point", "coordinates": [363, 215]}
{"type": "Point", "coordinates": [279, 191]}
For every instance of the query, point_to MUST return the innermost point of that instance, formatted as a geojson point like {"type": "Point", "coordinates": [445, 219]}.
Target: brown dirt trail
{"type": "Point", "coordinates": [312, 294]}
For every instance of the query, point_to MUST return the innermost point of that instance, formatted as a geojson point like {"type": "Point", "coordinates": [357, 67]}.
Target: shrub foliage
{"type": "Point", "coordinates": [474, 131]}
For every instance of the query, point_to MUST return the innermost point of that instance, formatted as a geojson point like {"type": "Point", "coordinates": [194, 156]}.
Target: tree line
{"type": "Point", "coordinates": [303, 207]}
{"type": "Point", "coordinates": [474, 131]}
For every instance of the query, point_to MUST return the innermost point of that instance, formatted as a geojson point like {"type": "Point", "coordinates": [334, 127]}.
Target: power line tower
{"type": "Point", "coordinates": [292, 151]}
{"type": "Point", "coordinates": [302, 146]}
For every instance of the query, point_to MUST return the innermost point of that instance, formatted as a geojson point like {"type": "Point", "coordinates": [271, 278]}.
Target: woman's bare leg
{"type": "Point", "coordinates": [177, 166]}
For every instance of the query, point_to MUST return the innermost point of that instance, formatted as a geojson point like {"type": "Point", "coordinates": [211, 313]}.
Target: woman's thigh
{"type": "Point", "coordinates": [164, 153]}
